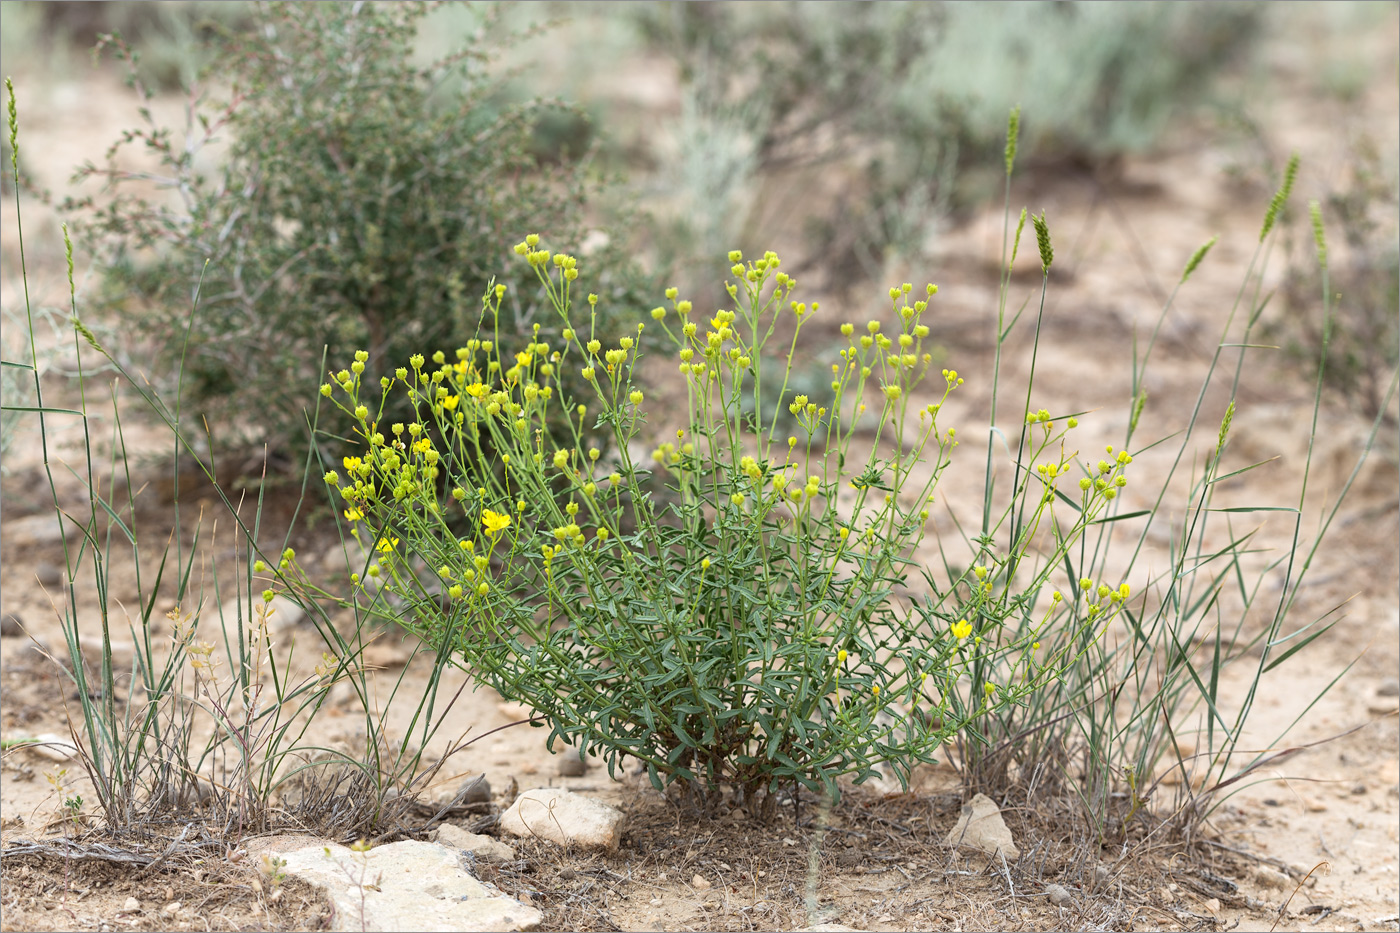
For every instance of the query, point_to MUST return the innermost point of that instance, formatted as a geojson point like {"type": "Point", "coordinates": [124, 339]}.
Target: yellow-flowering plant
{"type": "Point", "coordinates": [728, 611]}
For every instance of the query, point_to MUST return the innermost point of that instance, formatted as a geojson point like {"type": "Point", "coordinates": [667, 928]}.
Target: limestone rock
{"type": "Point", "coordinates": [40, 530]}
{"type": "Point", "coordinates": [1270, 877]}
{"type": "Point", "coordinates": [407, 886]}
{"type": "Point", "coordinates": [282, 614]}
{"type": "Point", "coordinates": [482, 848]}
{"type": "Point", "coordinates": [981, 827]}
{"type": "Point", "coordinates": [564, 818]}
{"type": "Point", "coordinates": [54, 747]}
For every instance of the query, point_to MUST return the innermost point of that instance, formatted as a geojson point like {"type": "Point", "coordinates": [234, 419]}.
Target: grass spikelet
{"type": "Point", "coordinates": [1016, 242]}
{"type": "Point", "coordinates": [1280, 197]}
{"type": "Point", "coordinates": [1196, 258]}
{"type": "Point", "coordinates": [1224, 428]}
{"type": "Point", "coordinates": [1013, 130]}
{"type": "Point", "coordinates": [1042, 239]}
{"type": "Point", "coordinates": [1319, 234]}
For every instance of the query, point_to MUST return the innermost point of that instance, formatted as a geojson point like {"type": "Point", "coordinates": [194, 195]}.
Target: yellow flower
{"type": "Point", "coordinates": [354, 515]}
{"type": "Point", "coordinates": [961, 629]}
{"type": "Point", "coordinates": [386, 545]}
{"type": "Point", "coordinates": [476, 390]}
{"type": "Point", "coordinates": [450, 402]}
{"type": "Point", "coordinates": [494, 522]}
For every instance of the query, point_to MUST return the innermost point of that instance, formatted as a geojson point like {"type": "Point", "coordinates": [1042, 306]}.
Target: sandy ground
{"type": "Point", "coordinates": [1328, 812]}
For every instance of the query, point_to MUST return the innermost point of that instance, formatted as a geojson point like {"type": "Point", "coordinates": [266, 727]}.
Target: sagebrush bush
{"type": "Point", "coordinates": [356, 207]}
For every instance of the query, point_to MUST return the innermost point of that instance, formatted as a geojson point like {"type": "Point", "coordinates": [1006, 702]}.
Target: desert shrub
{"type": "Point", "coordinates": [915, 95]}
{"type": "Point", "coordinates": [356, 206]}
{"type": "Point", "coordinates": [172, 36]}
{"type": "Point", "coordinates": [734, 612]}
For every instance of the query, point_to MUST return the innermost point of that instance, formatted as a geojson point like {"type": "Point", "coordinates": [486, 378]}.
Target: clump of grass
{"type": "Point", "coordinates": [210, 716]}
{"type": "Point", "coordinates": [1111, 725]}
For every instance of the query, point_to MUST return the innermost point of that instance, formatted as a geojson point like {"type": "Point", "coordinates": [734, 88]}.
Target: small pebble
{"type": "Point", "coordinates": [478, 790]}
{"type": "Point", "coordinates": [11, 626]}
{"type": "Point", "coordinates": [131, 906]}
{"type": "Point", "coordinates": [1270, 877]}
{"type": "Point", "coordinates": [47, 574]}
{"type": "Point", "coordinates": [570, 765]}
{"type": "Point", "coordinates": [700, 883]}
{"type": "Point", "coordinates": [1358, 788]}
{"type": "Point", "coordinates": [1059, 894]}
{"type": "Point", "coordinates": [1388, 688]}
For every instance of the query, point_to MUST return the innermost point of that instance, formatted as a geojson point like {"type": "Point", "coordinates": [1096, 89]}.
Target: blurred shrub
{"type": "Point", "coordinates": [359, 206]}
{"type": "Point", "coordinates": [172, 35]}
{"type": "Point", "coordinates": [917, 93]}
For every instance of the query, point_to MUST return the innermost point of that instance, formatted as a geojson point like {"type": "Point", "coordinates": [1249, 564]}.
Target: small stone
{"type": "Point", "coordinates": [384, 655]}
{"type": "Point", "coordinates": [1101, 875]}
{"type": "Point", "coordinates": [789, 842]}
{"type": "Point", "coordinates": [571, 765]}
{"type": "Point", "coordinates": [483, 848]}
{"type": "Point", "coordinates": [11, 626]}
{"type": "Point", "coordinates": [1270, 877]}
{"type": "Point", "coordinates": [1059, 894]}
{"type": "Point", "coordinates": [515, 712]}
{"type": "Point", "coordinates": [282, 613]}
{"type": "Point", "coordinates": [1389, 688]}
{"type": "Point", "coordinates": [700, 883]}
{"type": "Point", "coordinates": [1313, 805]}
{"type": "Point", "coordinates": [565, 818]}
{"type": "Point", "coordinates": [1358, 789]}
{"type": "Point", "coordinates": [123, 652]}
{"type": "Point", "coordinates": [38, 530]}
{"type": "Point", "coordinates": [131, 906]}
{"type": "Point", "coordinates": [54, 747]}
{"type": "Point", "coordinates": [47, 574]}
{"type": "Point", "coordinates": [981, 827]}
{"type": "Point", "coordinates": [172, 908]}
{"type": "Point", "coordinates": [1213, 905]}
{"type": "Point", "coordinates": [475, 790]}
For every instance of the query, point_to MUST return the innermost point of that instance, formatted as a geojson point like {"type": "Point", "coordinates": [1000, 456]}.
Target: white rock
{"type": "Point", "coordinates": [407, 886]}
{"type": "Point", "coordinates": [1059, 894]}
{"type": "Point", "coordinates": [54, 747]}
{"type": "Point", "coordinates": [564, 818]}
{"type": "Point", "coordinates": [282, 614]}
{"type": "Point", "coordinates": [1270, 877]}
{"type": "Point", "coordinates": [981, 827]}
{"type": "Point", "coordinates": [123, 652]}
{"type": "Point", "coordinates": [131, 906]}
{"type": "Point", "coordinates": [483, 848]}
{"type": "Point", "coordinates": [38, 530]}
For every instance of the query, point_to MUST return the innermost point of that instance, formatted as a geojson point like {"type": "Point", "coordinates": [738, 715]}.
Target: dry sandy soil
{"type": "Point", "coordinates": [1328, 814]}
